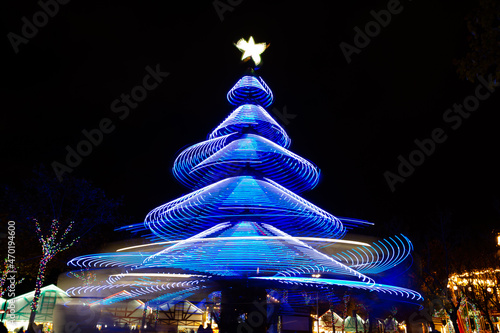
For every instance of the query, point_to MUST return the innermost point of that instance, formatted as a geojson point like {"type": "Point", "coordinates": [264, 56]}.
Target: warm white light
{"type": "Point", "coordinates": [455, 287]}
{"type": "Point", "coordinates": [165, 275]}
{"type": "Point", "coordinates": [210, 239]}
{"type": "Point", "coordinates": [250, 49]}
{"type": "Point", "coordinates": [489, 289]}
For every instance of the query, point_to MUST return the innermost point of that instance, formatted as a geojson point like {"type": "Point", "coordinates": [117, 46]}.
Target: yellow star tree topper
{"type": "Point", "coordinates": [251, 50]}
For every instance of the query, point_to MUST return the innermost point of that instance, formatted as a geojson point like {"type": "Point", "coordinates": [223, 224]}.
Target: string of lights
{"type": "Point", "coordinates": [51, 245]}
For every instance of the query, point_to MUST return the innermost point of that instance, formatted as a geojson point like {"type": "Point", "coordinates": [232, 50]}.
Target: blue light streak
{"type": "Point", "coordinates": [383, 288]}
{"type": "Point", "coordinates": [216, 159]}
{"type": "Point", "coordinates": [250, 118]}
{"type": "Point", "coordinates": [381, 256]}
{"type": "Point", "coordinates": [242, 198]}
{"type": "Point", "coordinates": [249, 90]}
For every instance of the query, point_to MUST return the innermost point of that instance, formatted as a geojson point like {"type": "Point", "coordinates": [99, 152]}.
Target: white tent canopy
{"type": "Point", "coordinates": [391, 324]}
{"type": "Point", "coordinates": [350, 324]}
{"type": "Point", "coordinates": [337, 321]}
{"type": "Point", "coordinates": [18, 309]}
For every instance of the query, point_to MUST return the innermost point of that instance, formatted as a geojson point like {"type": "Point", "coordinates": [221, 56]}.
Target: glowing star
{"type": "Point", "coordinates": [250, 49]}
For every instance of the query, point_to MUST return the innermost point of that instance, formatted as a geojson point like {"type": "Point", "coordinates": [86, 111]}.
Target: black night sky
{"type": "Point", "coordinates": [353, 119]}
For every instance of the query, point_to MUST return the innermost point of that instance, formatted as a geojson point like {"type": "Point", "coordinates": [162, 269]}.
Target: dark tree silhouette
{"type": "Point", "coordinates": [478, 279]}
{"type": "Point", "coordinates": [483, 39]}
{"type": "Point", "coordinates": [446, 248]}
{"type": "Point", "coordinates": [51, 245]}
{"type": "Point", "coordinates": [44, 207]}
{"type": "Point", "coordinates": [437, 250]}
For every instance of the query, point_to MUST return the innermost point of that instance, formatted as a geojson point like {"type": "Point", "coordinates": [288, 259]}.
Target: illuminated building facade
{"type": "Point", "coordinates": [479, 294]}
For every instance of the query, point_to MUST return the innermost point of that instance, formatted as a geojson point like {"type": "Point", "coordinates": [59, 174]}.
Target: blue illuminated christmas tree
{"type": "Point", "coordinates": [244, 223]}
